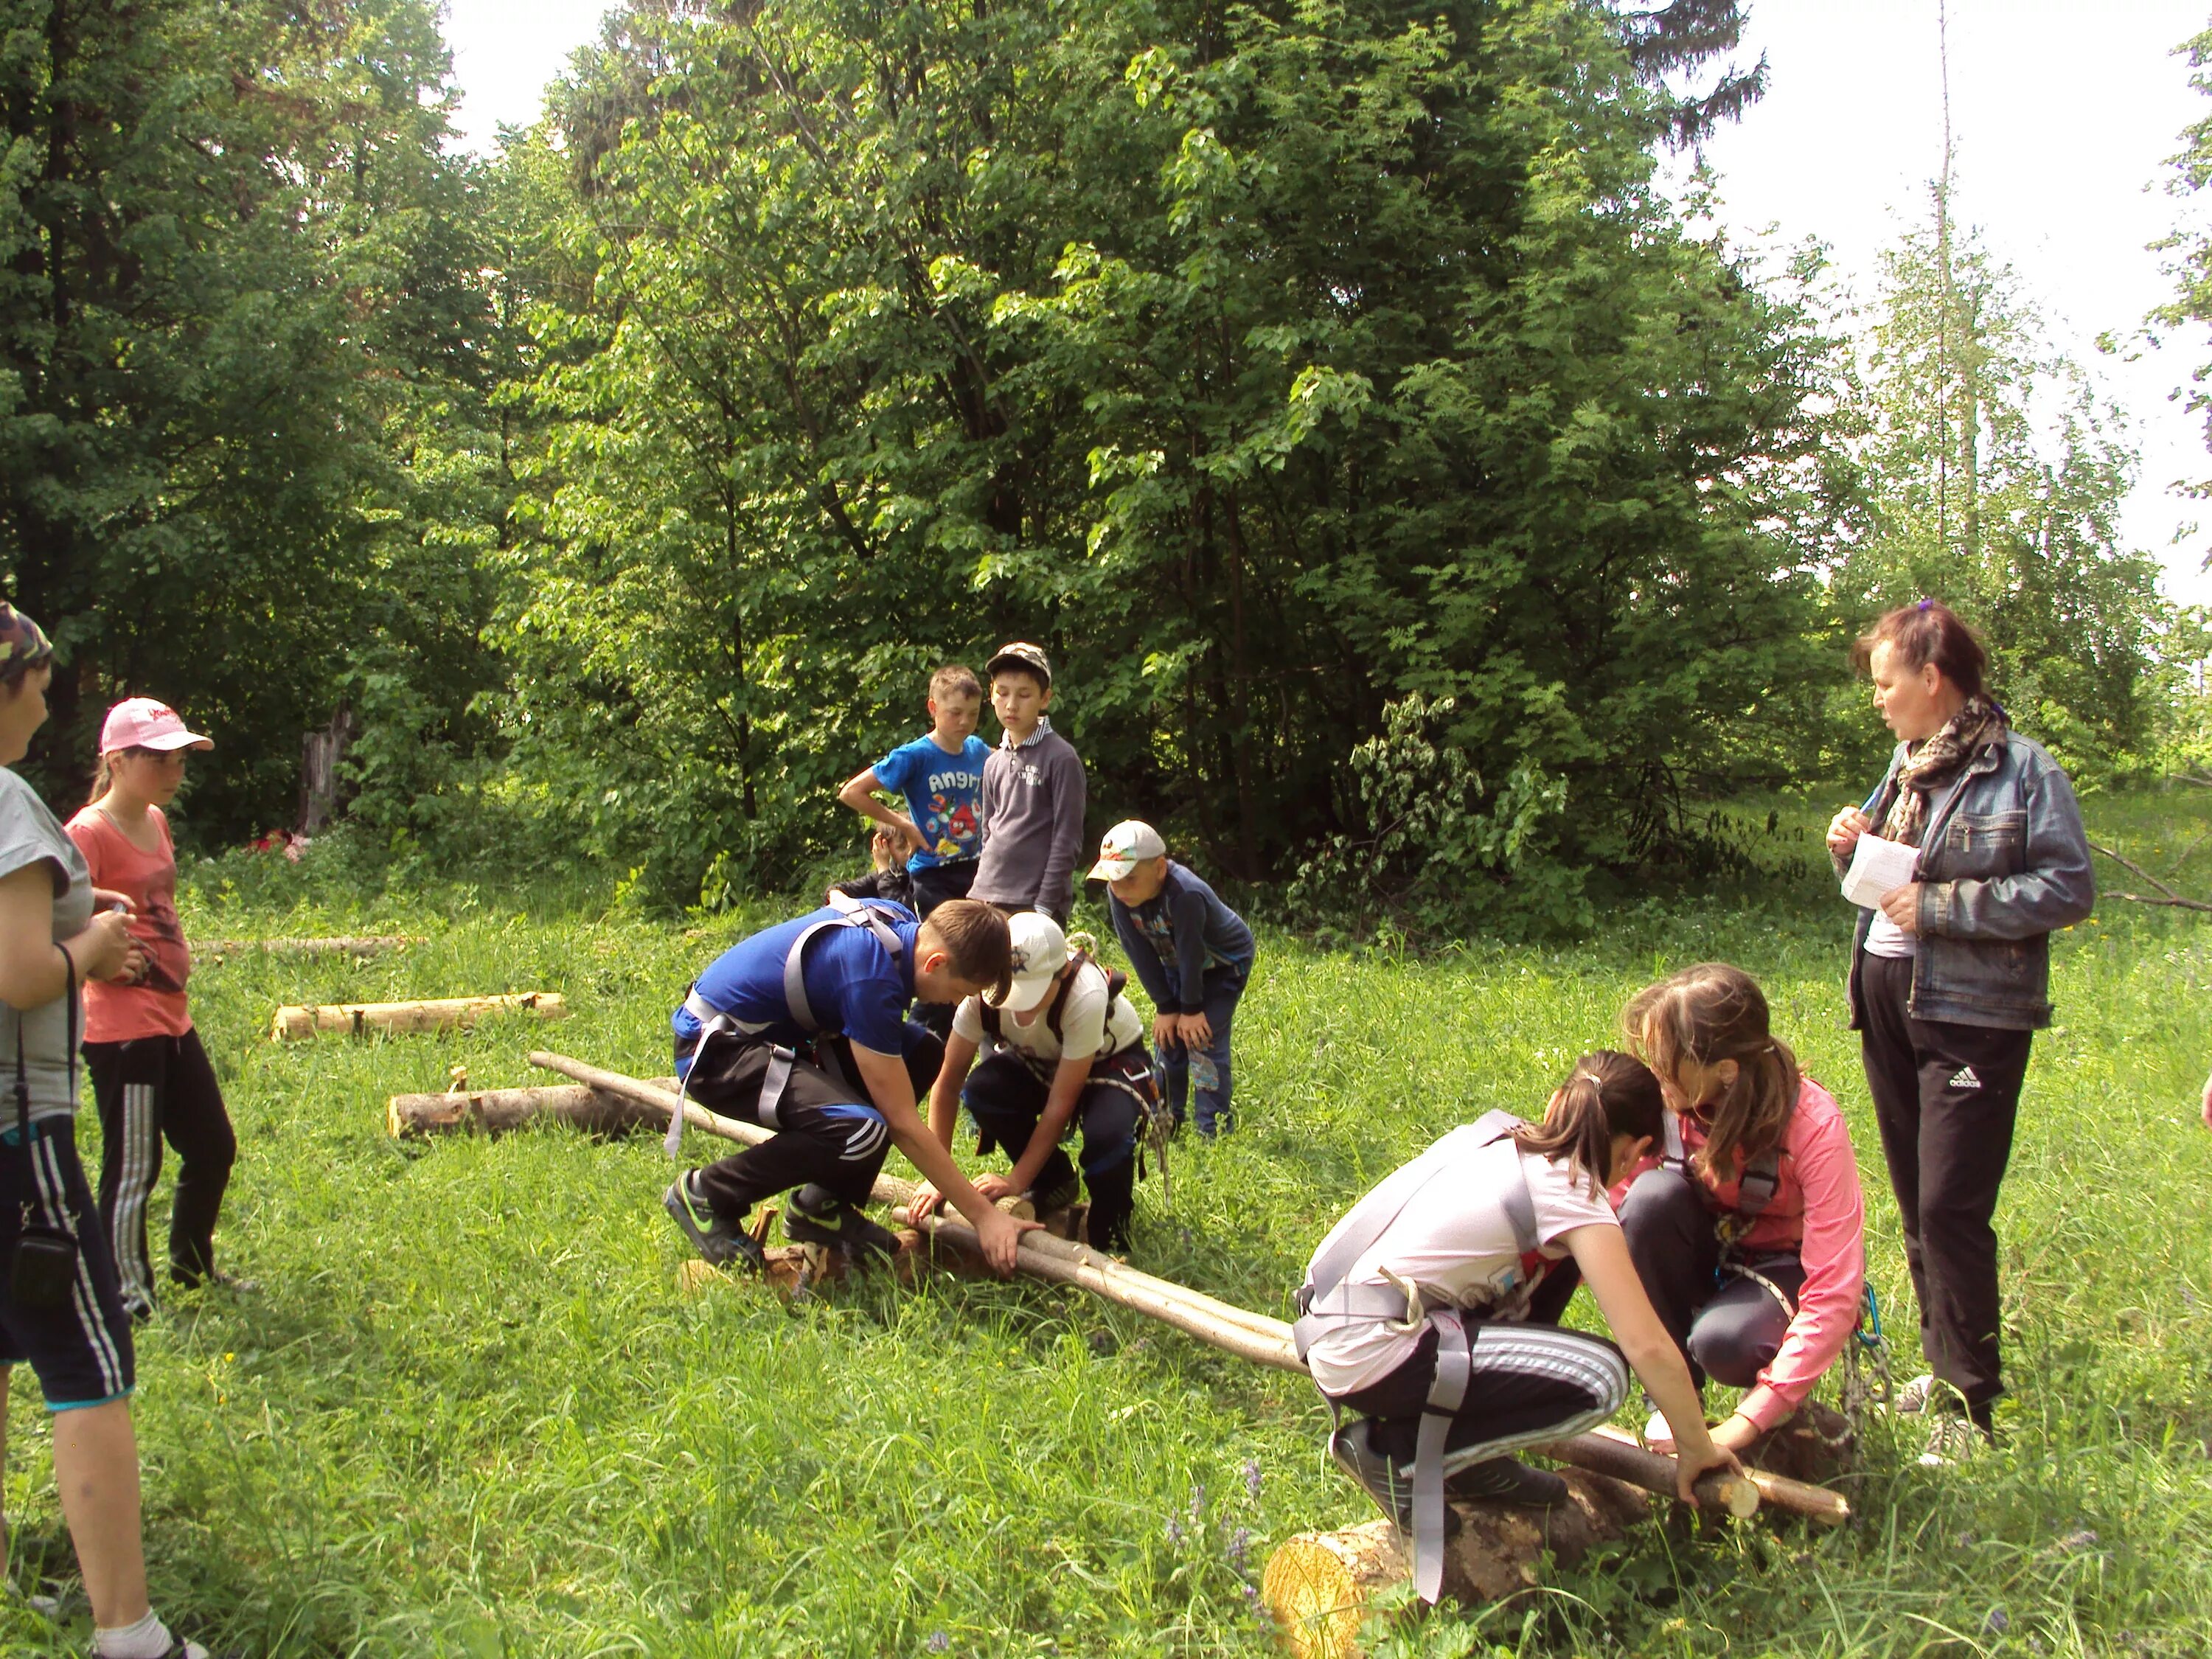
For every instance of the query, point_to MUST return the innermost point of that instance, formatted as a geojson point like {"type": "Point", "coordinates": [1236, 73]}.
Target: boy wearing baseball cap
{"type": "Point", "coordinates": [1192, 953]}
{"type": "Point", "coordinates": [150, 1076]}
{"type": "Point", "coordinates": [1033, 793]}
{"type": "Point", "coordinates": [1063, 1046]}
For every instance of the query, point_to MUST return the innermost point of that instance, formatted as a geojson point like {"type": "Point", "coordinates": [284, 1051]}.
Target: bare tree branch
{"type": "Point", "coordinates": [2171, 899]}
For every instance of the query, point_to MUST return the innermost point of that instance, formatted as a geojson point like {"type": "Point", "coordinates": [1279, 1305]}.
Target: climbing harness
{"type": "Point", "coordinates": [1325, 1299]}
{"type": "Point", "coordinates": [714, 1021]}
{"type": "Point", "coordinates": [1867, 1384]}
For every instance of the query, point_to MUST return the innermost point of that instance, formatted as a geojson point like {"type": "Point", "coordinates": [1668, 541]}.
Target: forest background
{"type": "Point", "coordinates": [1430, 515]}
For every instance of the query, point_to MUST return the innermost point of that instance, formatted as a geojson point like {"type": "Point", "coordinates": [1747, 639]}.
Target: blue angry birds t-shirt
{"type": "Point", "coordinates": [943, 797]}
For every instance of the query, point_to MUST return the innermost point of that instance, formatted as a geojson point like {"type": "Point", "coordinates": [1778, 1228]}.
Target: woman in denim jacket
{"type": "Point", "coordinates": [1950, 980]}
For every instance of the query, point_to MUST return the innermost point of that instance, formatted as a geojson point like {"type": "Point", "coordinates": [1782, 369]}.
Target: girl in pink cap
{"type": "Point", "coordinates": [151, 1077]}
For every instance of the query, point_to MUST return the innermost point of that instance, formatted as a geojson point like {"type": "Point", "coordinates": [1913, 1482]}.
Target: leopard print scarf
{"type": "Point", "coordinates": [1936, 762]}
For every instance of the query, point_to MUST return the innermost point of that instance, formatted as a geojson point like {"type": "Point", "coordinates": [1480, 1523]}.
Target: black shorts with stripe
{"type": "Point", "coordinates": [80, 1349]}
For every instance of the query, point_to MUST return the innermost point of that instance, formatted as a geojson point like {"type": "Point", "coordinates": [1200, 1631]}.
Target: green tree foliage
{"type": "Point", "coordinates": [1270, 365]}
{"type": "Point", "coordinates": [1993, 477]}
{"type": "Point", "coordinates": [245, 462]}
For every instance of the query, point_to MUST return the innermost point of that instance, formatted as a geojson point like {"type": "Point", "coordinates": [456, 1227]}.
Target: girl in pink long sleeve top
{"type": "Point", "coordinates": [1766, 1302]}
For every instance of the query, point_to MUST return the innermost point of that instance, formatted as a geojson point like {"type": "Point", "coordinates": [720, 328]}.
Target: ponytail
{"type": "Point", "coordinates": [103, 774]}
{"type": "Point", "coordinates": [1608, 1094]}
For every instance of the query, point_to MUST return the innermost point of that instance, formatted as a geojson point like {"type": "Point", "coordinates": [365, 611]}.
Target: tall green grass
{"type": "Point", "coordinates": [470, 1414]}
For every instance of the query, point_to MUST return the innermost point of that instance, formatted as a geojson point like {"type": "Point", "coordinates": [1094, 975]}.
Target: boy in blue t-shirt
{"type": "Point", "coordinates": [832, 1065]}
{"type": "Point", "coordinates": [941, 776]}
{"type": "Point", "coordinates": [1193, 955]}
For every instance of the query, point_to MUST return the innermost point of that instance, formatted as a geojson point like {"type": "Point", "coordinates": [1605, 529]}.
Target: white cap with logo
{"type": "Point", "coordinates": [1127, 844]}
{"type": "Point", "coordinates": [1040, 952]}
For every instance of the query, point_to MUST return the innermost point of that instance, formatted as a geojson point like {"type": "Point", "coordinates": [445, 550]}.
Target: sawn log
{"type": "Point", "coordinates": [445, 1013]}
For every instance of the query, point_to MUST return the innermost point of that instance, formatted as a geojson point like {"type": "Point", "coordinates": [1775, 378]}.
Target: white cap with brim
{"type": "Point", "coordinates": [1127, 845]}
{"type": "Point", "coordinates": [1040, 952]}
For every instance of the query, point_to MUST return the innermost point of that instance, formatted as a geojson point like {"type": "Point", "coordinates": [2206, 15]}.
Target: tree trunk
{"type": "Point", "coordinates": [497, 1111]}
{"type": "Point", "coordinates": [359, 1017]}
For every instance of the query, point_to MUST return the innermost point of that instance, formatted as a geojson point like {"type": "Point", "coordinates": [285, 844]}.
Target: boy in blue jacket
{"type": "Point", "coordinates": [1192, 953]}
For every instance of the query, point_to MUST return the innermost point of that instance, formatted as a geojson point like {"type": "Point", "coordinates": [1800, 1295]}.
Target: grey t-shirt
{"type": "Point", "coordinates": [30, 835]}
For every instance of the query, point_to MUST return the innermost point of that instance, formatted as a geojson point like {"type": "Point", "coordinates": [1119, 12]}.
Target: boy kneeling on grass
{"type": "Point", "coordinates": [1066, 1048]}
{"type": "Point", "coordinates": [802, 1028]}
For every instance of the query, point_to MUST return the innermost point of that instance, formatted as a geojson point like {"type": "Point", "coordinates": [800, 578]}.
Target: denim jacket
{"type": "Point", "coordinates": [2003, 862]}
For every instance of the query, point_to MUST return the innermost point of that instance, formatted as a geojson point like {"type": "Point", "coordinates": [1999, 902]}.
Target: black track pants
{"type": "Point", "coordinates": [148, 1091]}
{"type": "Point", "coordinates": [1728, 1327]}
{"type": "Point", "coordinates": [1946, 1097]}
{"type": "Point", "coordinates": [1008, 1100]}
{"type": "Point", "coordinates": [1526, 1382]}
{"type": "Point", "coordinates": [826, 1129]}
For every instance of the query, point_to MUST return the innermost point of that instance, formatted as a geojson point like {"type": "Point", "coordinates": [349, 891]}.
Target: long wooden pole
{"type": "Point", "coordinates": [1249, 1336]}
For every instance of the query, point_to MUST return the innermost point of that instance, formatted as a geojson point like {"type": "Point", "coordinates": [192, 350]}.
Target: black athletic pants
{"type": "Point", "coordinates": [1728, 1325]}
{"type": "Point", "coordinates": [1945, 1097]}
{"type": "Point", "coordinates": [1007, 1100]}
{"type": "Point", "coordinates": [826, 1130]}
{"type": "Point", "coordinates": [147, 1090]}
{"type": "Point", "coordinates": [1526, 1382]}
{"type": "Point", "coordinates": [932, 887]}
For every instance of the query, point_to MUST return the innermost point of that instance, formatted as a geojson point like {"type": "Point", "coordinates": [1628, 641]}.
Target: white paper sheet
{"type": "Point", "coordinates": [1878, 866]}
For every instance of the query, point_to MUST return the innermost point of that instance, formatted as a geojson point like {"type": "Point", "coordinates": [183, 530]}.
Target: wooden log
{"type": "Point", "coordinates": [367, 944]}
{"type": "Point", "coordinates": [1320, 1586]}
{"type": "Point", "coordinates": [497, 1111]}
{"type": "Point", "coordinates": [1817, 1503]}
{"type": "Point", "coordinates": [1249, 1336]}
{"type": "Point", "coordinates": [440, 1015]}
{"type": "Point", "coordinates": [1271, 1339]}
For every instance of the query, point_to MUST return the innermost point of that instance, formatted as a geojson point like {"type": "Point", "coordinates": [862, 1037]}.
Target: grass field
{"type": "Point", "coordinates": [470, 1415]}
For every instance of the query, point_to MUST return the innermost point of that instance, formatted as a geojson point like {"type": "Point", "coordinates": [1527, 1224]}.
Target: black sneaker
{"type": "Point", "coordinates": [815, 1215]}
{"type": "Point", "coordinates": [1506, 1481]}
{"type": "Point", "coordinates": [724, 1244]}
{"type": "Point", "coordinates": [191, 1279]}
{"type": "Point", "coordinates": [1390, 1484]}
{"type": "Point", "coordinates": [1062, 1197]}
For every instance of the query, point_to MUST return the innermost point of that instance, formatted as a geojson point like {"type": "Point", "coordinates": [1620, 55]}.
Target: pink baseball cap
{"type": "Point", "coordinates": [143, 723]}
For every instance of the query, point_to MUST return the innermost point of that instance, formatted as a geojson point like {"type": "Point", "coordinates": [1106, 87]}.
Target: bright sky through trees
{"type": "Point", "coordinates": [2064, 116]}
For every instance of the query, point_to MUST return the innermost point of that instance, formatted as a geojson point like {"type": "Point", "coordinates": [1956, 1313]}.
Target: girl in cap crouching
{"type": "Point", "coordinates": [151, 1077]}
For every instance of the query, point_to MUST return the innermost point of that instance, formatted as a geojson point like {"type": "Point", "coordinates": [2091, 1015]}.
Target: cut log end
{"type": "Point", "coordinates": [1320, 1586]}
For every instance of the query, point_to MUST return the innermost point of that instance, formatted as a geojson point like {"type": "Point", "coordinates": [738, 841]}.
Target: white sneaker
{"type": "Point", "coordinates": [1951, 1440]}
{"type": "Point", "coordinates": [1659, 1434]}
{"type": "Point", "coordinates": [1912, 1398]}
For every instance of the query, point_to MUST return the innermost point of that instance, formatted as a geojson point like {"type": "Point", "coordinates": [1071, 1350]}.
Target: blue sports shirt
{"type": "Point", "coordinates": [943, 797]}
{"type": "Point", "coordinates": [852, 985]}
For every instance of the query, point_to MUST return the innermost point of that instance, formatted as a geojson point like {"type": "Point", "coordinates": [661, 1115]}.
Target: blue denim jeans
{"type": "Point", "coordinates": [1206, 1070]}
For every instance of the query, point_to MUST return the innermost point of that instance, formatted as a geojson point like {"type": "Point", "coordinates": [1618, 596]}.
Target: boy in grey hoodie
{"type": "Point", "coordinates": [1033, 793]}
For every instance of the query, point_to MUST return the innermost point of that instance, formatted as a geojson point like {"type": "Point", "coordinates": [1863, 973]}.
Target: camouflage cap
{"type": "Point", "coordinates": [23, 645]}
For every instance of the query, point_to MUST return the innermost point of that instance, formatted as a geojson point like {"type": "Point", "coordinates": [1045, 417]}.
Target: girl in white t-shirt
{"type": "Point", "coordinates": [1454, 1244]}
{"type": "Point", "coordinates": [1062, 1048]}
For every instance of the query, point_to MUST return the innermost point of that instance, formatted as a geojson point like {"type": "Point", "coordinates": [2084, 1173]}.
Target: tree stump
{"type": "Point", "coordinates": [1815, 1446]}
{"type": "Point", "coordinates": [1320, 1586]}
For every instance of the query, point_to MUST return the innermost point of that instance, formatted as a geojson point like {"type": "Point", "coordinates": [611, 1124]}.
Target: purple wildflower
{"type": "Point", "coordinates": [1197, 1504]}
{"type": "Point", "coordinates": [1996, 1624]}
{"type": "Point", "coordinates": [1252, 1476]}
{"type": "Point", "coordinates": [939, 1642]}
{"type": "Point", "coordinates": [1240, 1546]}
{"type": "Point", "coordinates": [1173, 1533]}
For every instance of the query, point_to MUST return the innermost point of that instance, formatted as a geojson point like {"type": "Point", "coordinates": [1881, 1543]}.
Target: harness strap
{"type": "Point", "coordinates": [1455, 1363]}
{"type": "Point", "coordinates": [851, 913]}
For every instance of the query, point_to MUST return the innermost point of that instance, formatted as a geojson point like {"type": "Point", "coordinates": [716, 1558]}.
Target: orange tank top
{"type": "Point", "coordinates": [155, 1006]}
